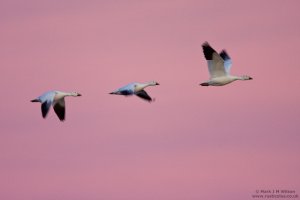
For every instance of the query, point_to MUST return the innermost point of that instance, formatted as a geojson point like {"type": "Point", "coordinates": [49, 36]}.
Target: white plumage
{"type": "Point", "coordinates": [136, 89]}
{"type": "Point", "coordinates": [55, 99]}
{"type": "Point", "coordinates": [219, 66]}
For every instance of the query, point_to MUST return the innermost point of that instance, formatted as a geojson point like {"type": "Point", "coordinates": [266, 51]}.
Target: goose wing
{"type": "Point", "coordinates": [227, 61]}
{"type": "Point", "coordinates": [60, 109]}
{"type": "Point", "coordinates": [214, 61]}
{"type": "Point", "coordinates": [47, 100]}
{"type": "Point", "coordinates": [45, 108]}
{"type": "Point", "coordinates": [127, 89]}
{"type": "Point", "coordinates": [143, 94]}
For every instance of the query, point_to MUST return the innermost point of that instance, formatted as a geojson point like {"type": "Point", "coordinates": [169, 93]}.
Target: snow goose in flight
{"type": "Point", "coordinates": [136, 89]}
{"type": "Point", "coordinates": [55, 99]}
{"type": "Point", "coordinates": [219, 67]}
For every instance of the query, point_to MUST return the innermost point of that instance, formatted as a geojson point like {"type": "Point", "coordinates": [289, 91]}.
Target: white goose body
{"type": "Point", "coordinates": [224, 80]}
{"type": "Point", "coordinates": [135, 89]}
{"type": "Point", "coordinates": [55, 99]}
{"type": "Point", "coordinates": [219, 66]}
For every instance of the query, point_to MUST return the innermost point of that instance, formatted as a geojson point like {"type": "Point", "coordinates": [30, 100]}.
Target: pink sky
{"type": "Point", "coordinates": [192, 143]}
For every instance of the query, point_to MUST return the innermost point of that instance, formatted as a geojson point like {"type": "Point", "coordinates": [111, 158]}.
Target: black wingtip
{"type": "Point", "coordinates": [60, 111]}
{"type": "Point", "coordinates": [208, 51]}
{"type": "Point", "coordinates": [224, 55]}
{"type": "Point", "coordinates": [34, 100]}
{"type": "Point", "coordinates": [205, 43]}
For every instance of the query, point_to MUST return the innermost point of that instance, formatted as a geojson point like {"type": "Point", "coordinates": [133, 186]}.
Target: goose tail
{"type": "Point", "coordinates": [35, 100]}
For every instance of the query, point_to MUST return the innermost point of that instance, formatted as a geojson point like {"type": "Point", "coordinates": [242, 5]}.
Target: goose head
{"type": "Point", "coordinates": [246, 77]}
{"type": "Point", "coordinates": [75, 94]}
{"type": "Point", "coordinates": [153, 83]}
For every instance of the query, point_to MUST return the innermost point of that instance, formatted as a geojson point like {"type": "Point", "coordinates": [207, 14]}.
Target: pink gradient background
{"type": "Point", "coordinates": [192, 143]}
